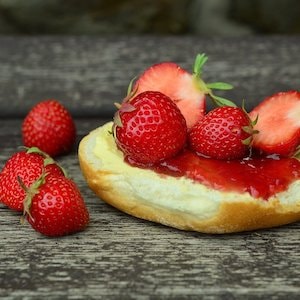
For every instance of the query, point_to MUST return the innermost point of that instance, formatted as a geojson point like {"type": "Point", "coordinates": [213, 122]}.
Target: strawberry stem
{"type": "Point", "coordinates": [199, 63]}
{"type": "Point", "coordinates": [207, 88]}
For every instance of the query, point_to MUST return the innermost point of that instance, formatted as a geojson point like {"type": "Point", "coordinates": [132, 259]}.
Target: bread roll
{"type": "Point", "coordinates": [178, 202]}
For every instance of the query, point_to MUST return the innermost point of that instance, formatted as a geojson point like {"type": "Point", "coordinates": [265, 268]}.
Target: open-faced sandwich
{"type": "Point", "coordinates": [165, 159]}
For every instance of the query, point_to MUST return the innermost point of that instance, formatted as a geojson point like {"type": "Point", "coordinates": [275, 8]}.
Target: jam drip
{"type": "Point", "coordinates": [258, 176]}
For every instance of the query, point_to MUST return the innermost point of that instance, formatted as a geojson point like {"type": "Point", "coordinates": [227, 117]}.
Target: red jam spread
{"type": "Point", "coordinates": [259, 176]}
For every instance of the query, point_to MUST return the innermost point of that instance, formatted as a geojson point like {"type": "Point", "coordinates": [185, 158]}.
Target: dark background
{"type": "Point", "coordinates": [84, 52]}
{"type": "Point", "coordinates": [171, 17]}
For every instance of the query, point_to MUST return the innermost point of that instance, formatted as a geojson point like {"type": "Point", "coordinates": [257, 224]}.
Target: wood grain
{"type": "Point", "coordinates": [89, 74]}
{"type": "Point", "coordinates": [118, 256]}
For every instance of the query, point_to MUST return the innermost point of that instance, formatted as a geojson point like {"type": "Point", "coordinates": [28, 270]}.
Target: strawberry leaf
{"type": "Point", "coordinates": [220, 101]}
{"type": "Point", "coordinates": [247, 141]}
{"type": "Point", "coordinates": [248, 129]}
{"type": "Point", "coordinates": [219, 86]}
{"type": "Point", "coordinates": [127, 107]}
{"type": "Point", "coordinates": [199, 63]}
{"type": "Point", "coordinates": [117, 120]}
{"type": "Point", "coordinates": [36, 150]}
{"type": "Point", "coordinates": [131, 92]}
{"type": "Point", "coordinates": [129, 89]}
{"type": "Point", "coordinates": [297, 153]}
{"type": "Point", "coordinates": [30, 191]}
{"type": "Point", "coordinates": [207, 88]}
{"type": "Point", "coordinates": [117, 105]}
{"type": "Point", "coordinates": [254, 122]}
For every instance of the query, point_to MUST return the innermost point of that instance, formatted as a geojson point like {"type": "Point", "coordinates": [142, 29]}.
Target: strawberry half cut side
{"type": "Point", "coordinates": [187, 90]}
{"type": "Point", "coordinates": [278, 124]}
{"type": "Point", "coordinates": [179, 85]}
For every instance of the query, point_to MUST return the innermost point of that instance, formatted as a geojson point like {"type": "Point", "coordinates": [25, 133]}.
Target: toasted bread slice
{"type": "Point", "coordinates": [177, 202]}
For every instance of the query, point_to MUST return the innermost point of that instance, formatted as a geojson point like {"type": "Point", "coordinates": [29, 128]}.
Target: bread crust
{"type": "Point", "coordinates": [244, 213]}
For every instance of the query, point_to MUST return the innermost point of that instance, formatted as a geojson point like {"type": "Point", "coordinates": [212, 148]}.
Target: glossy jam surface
{"type": "Point", "coordinates": [259, 176]}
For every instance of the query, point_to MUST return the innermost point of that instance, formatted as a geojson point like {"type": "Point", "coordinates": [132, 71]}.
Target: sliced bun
{"type": "Point", "coordinates": [177, 202]}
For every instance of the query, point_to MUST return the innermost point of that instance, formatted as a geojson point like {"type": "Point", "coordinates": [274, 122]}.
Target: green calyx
{"type": "Point", "coordinates": [297, 153]}
{"type": "Point", "coordinates": [30, 193]}
{"type": "Point", "coordinates": [207, 88]}
{"type": "Point", "coordinates": [250, 128]}
{"type": "Point", "coordinates": [48, 160]}
{"type": "Point", "coordinates": [125, 106]}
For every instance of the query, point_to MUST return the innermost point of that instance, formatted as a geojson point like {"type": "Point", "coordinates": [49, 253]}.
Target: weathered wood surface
{"type": "Point", "coordinates": [118, 256]}
{"type": "Point", "coordinates": [88, 74]}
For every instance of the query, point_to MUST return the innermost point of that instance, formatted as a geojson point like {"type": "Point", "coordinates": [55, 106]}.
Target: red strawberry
{"type": "Point", "coordinates": [224, 133]}
{"type": "Point", "coordinates": [175, 82]}
{"type": "Point", "coordinates": [50, 127]}
{"type": "Point", "coordinates": [55, 207]}
{"type": "Point", "coordinates": [278, 124]}
{"type": "Point", "coordinates": [149, 128]}
{"type": "Point", "coordinates": [28, 167]}
{"type": "Point", "coordinates": [185, 89]}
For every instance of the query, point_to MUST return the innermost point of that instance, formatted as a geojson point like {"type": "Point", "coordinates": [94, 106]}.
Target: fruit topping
{"type": "Point", "coordinates": [162, 125]}
{"type": "Point", "coordinates": [185, 89]}
{"type": "Point", "coordinates": [260, 177]}
{"type": "Point", "coordinates": [149, 128]}
{"type": "Point", "coordinates": [50, 127]}
{"type": "Point", "coordinates": [224, 133]}
{"type": "Point", "coordinates": [278, 124]}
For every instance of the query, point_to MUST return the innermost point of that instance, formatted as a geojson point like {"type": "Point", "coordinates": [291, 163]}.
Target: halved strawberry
{"type": "Point", "coordinates": [278, 123]}
{"type": "Point", "coordinates": [185, 89]}
{"type": "Point", "coordinates": [175, 82]}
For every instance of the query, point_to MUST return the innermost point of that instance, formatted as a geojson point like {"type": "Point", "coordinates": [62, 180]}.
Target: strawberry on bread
{"type": "Point", "coordinates": [214, 183]}
{"type": "Point", "coordinates": [186, 89]}
{"type": "Point", "coordinates": [278, 124]}
{"type": "Point", "coordinates": [178, 84]}
{"type": "Point", "coordinates": [224, 133]}
{"type": "Point", "coordinates": [207, 199]}
{"type": "Point", "coordinates": [149, 128]}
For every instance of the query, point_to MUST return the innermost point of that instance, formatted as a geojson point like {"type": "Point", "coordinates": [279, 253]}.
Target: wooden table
{"type": "Point", "coordinates": [118, 256]}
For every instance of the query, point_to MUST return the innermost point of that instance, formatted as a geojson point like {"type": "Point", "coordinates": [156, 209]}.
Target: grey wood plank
{"type": "Point", "coordinates": [88, 74]}
{"type": "Point", "coordinates": [121, 257]}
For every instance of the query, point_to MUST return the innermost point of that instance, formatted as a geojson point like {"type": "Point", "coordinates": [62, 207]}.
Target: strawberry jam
{"type": "Point", "coordinates": [259, 176]}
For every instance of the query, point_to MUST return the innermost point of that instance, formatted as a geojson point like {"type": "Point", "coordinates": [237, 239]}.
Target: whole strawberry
{"type": "Point", "coordinates": [224, 133]}
{"type": "Point", "coordinates": [50, 127]}
{"type": "Point", "coordinates": [149, 128]}
{"type": "Point", "coordinates": [55, 207]}
{"type": "Point", "coordinates": [28, 167]}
